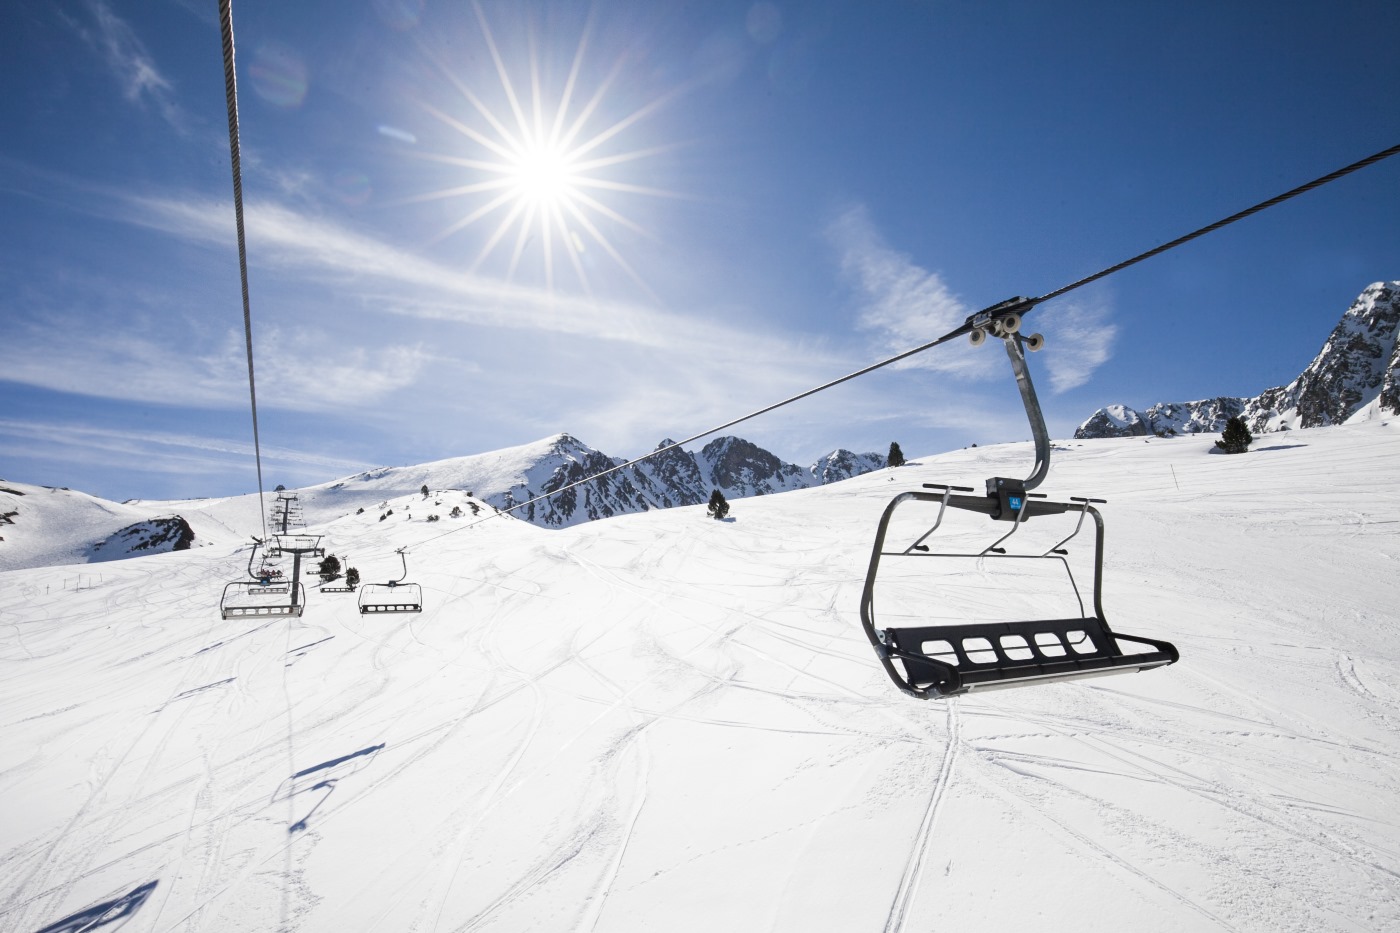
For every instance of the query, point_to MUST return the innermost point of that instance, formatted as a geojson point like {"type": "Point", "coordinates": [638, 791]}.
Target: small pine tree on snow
{"type": "Point", "coordinates": [352, 577]}
{"type": "Point", "coordinates": [718, 507]}
{"type": "Point", "coordinates": [896, 457]}
{"type": "Point", "coordinates": [424, 490]}
{"type": "Point", "coordinates": [1236, 438]}
{"type": "Point", "coordinates": [456, 512]}
{"type": "Point", "coordinates": [330, 568]}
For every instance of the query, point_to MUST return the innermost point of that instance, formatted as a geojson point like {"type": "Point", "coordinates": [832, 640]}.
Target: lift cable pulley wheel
{"type": "Point", "coordinates": [937, 660]}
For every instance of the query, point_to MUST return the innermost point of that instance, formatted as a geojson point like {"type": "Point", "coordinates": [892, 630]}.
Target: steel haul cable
{"type": "Point", "coordinates": [1016, 305]}
{"type": "Point", "coordinates": [231, 95]}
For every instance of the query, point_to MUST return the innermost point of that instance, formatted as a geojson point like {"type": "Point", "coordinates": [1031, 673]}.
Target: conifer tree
{"type": "Point", "coordinates": [330, 568]}
{"type": "Point", "coordinates": [352, 577]}
{"type": "Point", "coordinates": [896, 457]}
{"type": "Point", "coordinates": [718, 508]}
{"type": "Point", "coordinates": [1236, 438]}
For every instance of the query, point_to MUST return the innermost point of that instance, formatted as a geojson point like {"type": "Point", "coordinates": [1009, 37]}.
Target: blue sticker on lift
{"type": "Point", "coordinates": [1014, 502]}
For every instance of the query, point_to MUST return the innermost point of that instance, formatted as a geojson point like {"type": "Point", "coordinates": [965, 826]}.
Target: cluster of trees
{"type": "Point", "coordinates": [330, 570]}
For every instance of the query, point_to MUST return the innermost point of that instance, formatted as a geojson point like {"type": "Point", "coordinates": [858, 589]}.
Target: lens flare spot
{"type": "Point", "coordinates": [399, 14]}
{"type": "Point", "coordinates": [393, 132]}
{"type": "Point", "coordinates": [352, 188]}
{"type": "Point", "coordinates": [279, 76]}
{"type": "Point", "coordinates": [764, 22]}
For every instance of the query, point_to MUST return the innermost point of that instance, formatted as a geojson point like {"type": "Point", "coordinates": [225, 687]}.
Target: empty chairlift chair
{"type": "Point", "coordinates": [953, 657]}
{"type": "Point", "coordinates": [934, 660]}
{"type": "Point", "coordinates": [394, 596]}
{"type": "Point", "coordinates": [265, 593]}
{"type": "Point", "coordinates": [254, 598]}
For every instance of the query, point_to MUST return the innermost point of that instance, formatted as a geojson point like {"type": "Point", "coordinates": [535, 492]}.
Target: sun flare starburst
{"type": "Point", "coordinates": [539, 169]}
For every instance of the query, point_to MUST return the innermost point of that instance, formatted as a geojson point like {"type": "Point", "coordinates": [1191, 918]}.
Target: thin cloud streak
{"type": "Point", "coordinates": [409, 285]}
{"type": "Point", "coordinates": [163, 451]}
{"type": "Point", "coordinates": [1078, 339]}
{"type": "Point", "coordinates": [904, 304]}
{"type": "Point", "coordinates": [284, 238]}
{"type": "Point", "coordinates": [63, 355]}
{"type": "Point", "coordinates": [908, 305]}
{"type": "Point", "coordinates": [126, 55]}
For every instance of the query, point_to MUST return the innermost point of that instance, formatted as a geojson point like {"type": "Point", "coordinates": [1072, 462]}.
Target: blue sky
{"type": "Point", "coordinates": [471, 226]}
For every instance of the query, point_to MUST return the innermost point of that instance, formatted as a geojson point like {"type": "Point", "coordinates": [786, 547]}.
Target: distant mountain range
{"type": "Point", "coordinates": [507, 478]}
{"type": "Point", "coordinates": [1354, 377]}
{"type": "Point", "coordinates": [44, 526]}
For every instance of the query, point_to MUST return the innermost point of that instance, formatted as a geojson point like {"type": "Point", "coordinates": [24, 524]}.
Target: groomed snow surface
{"type": "Point", "coordinates": [664, 722]}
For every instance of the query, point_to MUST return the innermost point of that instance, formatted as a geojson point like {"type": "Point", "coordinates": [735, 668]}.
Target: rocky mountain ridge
{"type": "Point", "coordinates": [1354, 377]}
{"type": "Point", "coordinates": [736, 467]}
{"type": "Point", "coordinates": [43, 526]}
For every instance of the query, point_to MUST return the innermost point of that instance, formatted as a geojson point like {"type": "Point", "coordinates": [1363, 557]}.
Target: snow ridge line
{"type": "Point", "coordinates": [914, 869]}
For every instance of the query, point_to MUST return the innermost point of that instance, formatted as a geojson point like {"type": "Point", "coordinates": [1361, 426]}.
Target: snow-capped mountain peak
{"type": "Point", "coordinates": [1355, 376]}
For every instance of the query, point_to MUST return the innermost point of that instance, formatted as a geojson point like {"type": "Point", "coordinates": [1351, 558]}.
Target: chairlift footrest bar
{"type": "Point", "coordinates": [237, 612]}
{"type": "Point", "coordinates": [947, 660]}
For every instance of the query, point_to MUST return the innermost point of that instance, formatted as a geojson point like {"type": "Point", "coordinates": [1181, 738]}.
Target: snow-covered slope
{"type": "Point", "coordinates": [44, 525]}
{"type": "Point", "coordinates": [1355, 376]}
{"type": "Point", "coordinates": [668, 722]}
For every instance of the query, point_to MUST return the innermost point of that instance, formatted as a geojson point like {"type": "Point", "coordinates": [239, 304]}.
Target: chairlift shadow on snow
{"type": "Point", "coordinates": [118, 910]}
{"type": "Point", "coordinates": [1263, 450]}
{"type": "Point", "coordinates": [324, 776]}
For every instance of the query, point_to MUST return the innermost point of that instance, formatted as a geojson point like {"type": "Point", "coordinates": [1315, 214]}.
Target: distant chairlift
{"type": "Point", "coordinates": [394, 596]}
{"type": "Point", "coordinates": [339, 584]}
{"type": "Point", "coordinates": [929, 661]}
{"type": "Point", "coordinates": [262, 594]}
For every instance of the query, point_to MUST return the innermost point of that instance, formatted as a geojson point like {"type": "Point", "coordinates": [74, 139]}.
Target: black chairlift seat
{"type": "Point", "coordinates": [390, 597]}
{"type": "Point", "coordinates": [251, 598]}
{"type": "Point", "coordinates": [946, 660]}
{"type": "Point", "coordinates": [394, 596]}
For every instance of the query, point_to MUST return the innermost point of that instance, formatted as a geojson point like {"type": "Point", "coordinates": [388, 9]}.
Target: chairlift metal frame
{"type": "Point", "coordinates": [948, 660]}
{"type": "Point", "coordinates": [245, 597]}
{"type": "Point", "coordinates": [238, 600]}
{"type": "Point", "coordinates": [405, 597]}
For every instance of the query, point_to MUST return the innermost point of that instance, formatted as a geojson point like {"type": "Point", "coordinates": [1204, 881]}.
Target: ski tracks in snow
{"type": "Point", "coordinates": [914, 867]}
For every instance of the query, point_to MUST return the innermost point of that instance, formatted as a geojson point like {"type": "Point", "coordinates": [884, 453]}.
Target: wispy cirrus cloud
{"type": "Point", "coordinates": [319, 248]}
{"type": "Point", "coordinates": [63, 352]}
{"type": "Point", "coordinates": [127, 57]}
{"type": "Point", "coordinates": [161, 451]}
{"type": "Point", "coordinates": [909, 305]}
{"type": "Point", "coordinates": [1079, 338]}
{"type": "Point", "coordinates": [903, 303]}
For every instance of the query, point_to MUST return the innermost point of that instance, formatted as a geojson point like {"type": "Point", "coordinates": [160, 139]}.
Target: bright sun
{"type": "Point", "coordinates": [544, 175]}
{"type": "Point", "coordinates": [535, 169]}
